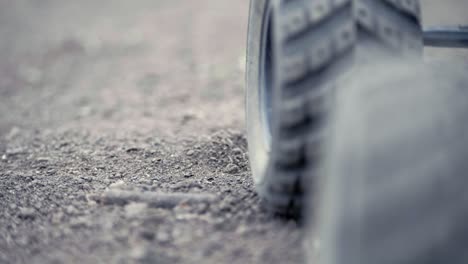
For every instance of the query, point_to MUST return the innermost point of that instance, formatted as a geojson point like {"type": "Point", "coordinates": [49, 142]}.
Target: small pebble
{"type": "Point", "coordinates": [71, 210]}
{"type": "Point", "coordinates": [42, 159]}
{"type": "Point", "coordinates": [133, 149]}
{"type": "Point", "coordinates": [188, 174]}
{"type": "Point", "coordinates": [57, 218]}
{"type": "Point", "coordinates": [27, 213]}
{"type": "Point", "coordinates": [117, 185]}
{"type": "Point", "coordinates": [231, 168]}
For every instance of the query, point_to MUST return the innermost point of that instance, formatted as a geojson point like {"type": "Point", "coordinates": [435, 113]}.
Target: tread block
{"type": "Point", "coordinates": [293, 111]}
{"type": "Point", "coordinates": [314, 146]}
{"type": "Point", "coordinates": [298, 18]}
{"type": "Point", "coordinates": [287, 182]}
{"type": "Point", "coordinates": [344, 37]}
{"type": "Point", "coordinates": [411, 7]}
{"type": "Point", "coordinates": [295, 21]}
{"type": "Point", "coordinates": [364, 15]}
{"type": "Point", "coordinates": [319, 102]}
{"type": "Point", "coordinates": [290, 151]}
{"type": "Point", "coordinates": [295, 67]}
{"type": "Point", "coordinates": [397, 37]}
{"type": "Point", "coordinates": [389, 33]}
{"type": "Point", "coordinates": [319, 9]}
{"type": "Point", "coordinates": [320, 54]}
{"type": "Point", "coordinates": [340, 3]}
{"type": "Point", "coordinates": [389, 25]}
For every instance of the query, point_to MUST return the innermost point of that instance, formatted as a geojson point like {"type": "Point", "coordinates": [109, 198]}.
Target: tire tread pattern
{"type": "Point", "coordinates": [314, 38]}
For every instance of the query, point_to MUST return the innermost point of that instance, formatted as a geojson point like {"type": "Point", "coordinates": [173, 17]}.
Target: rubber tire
{"type": "Point", "coordinates": [312, 47]}
{"type": "Point", "coordinates": [396, 186]}
{"type": "Point", "coordinates": [310, 41]}
{"type": "Point", "coordinates": [391, 27]}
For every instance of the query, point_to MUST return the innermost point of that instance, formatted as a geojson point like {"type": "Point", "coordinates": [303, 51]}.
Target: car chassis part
{"type": "Point", "coordinates": [446, 36]}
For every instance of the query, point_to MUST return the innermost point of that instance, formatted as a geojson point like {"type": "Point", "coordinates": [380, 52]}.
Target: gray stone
{"type": "Point", "coordinates": [231, 168]}
{"type": "Point", "coordinates": [27, 213]}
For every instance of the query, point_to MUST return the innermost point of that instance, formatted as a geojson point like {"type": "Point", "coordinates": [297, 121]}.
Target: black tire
{"type": "Point", "coordinates": [396, 185]}
{"type": "Point", "coordinates": [297, 51]}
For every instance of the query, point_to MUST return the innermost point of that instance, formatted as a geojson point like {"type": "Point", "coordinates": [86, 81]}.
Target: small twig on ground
{"type": "Point", "coordinates": [153, 199]}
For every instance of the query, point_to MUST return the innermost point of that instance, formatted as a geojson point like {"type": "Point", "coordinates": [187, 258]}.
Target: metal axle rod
{"type": "Point", "coordinates": [446, 36]}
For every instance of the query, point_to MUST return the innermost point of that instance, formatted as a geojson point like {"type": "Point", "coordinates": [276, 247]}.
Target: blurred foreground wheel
{"type": "Point", "coordinates": [297, 53]}
{"type": "Point", "coordinates": [396, 166]}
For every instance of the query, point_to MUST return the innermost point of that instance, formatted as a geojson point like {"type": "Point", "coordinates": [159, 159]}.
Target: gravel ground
{"type": "Point", "coordinates": [121, 134]}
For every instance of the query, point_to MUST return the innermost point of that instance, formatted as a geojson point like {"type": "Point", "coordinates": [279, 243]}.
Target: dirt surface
{"type": "Point", "coordinates": [102, 101]}
{"type": "Point", "coordinates": [121, 135]}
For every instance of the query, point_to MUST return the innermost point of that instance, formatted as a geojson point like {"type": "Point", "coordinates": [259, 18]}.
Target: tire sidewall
{"type": "Point", "coordinates": [259, 149]}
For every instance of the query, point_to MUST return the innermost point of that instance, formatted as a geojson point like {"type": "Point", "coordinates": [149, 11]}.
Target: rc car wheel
{"type": "Point", "coordinates": [297, 51]}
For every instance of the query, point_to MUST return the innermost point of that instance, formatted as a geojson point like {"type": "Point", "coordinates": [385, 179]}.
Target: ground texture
{"type": "Point", "coordinates": [121, 134]}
